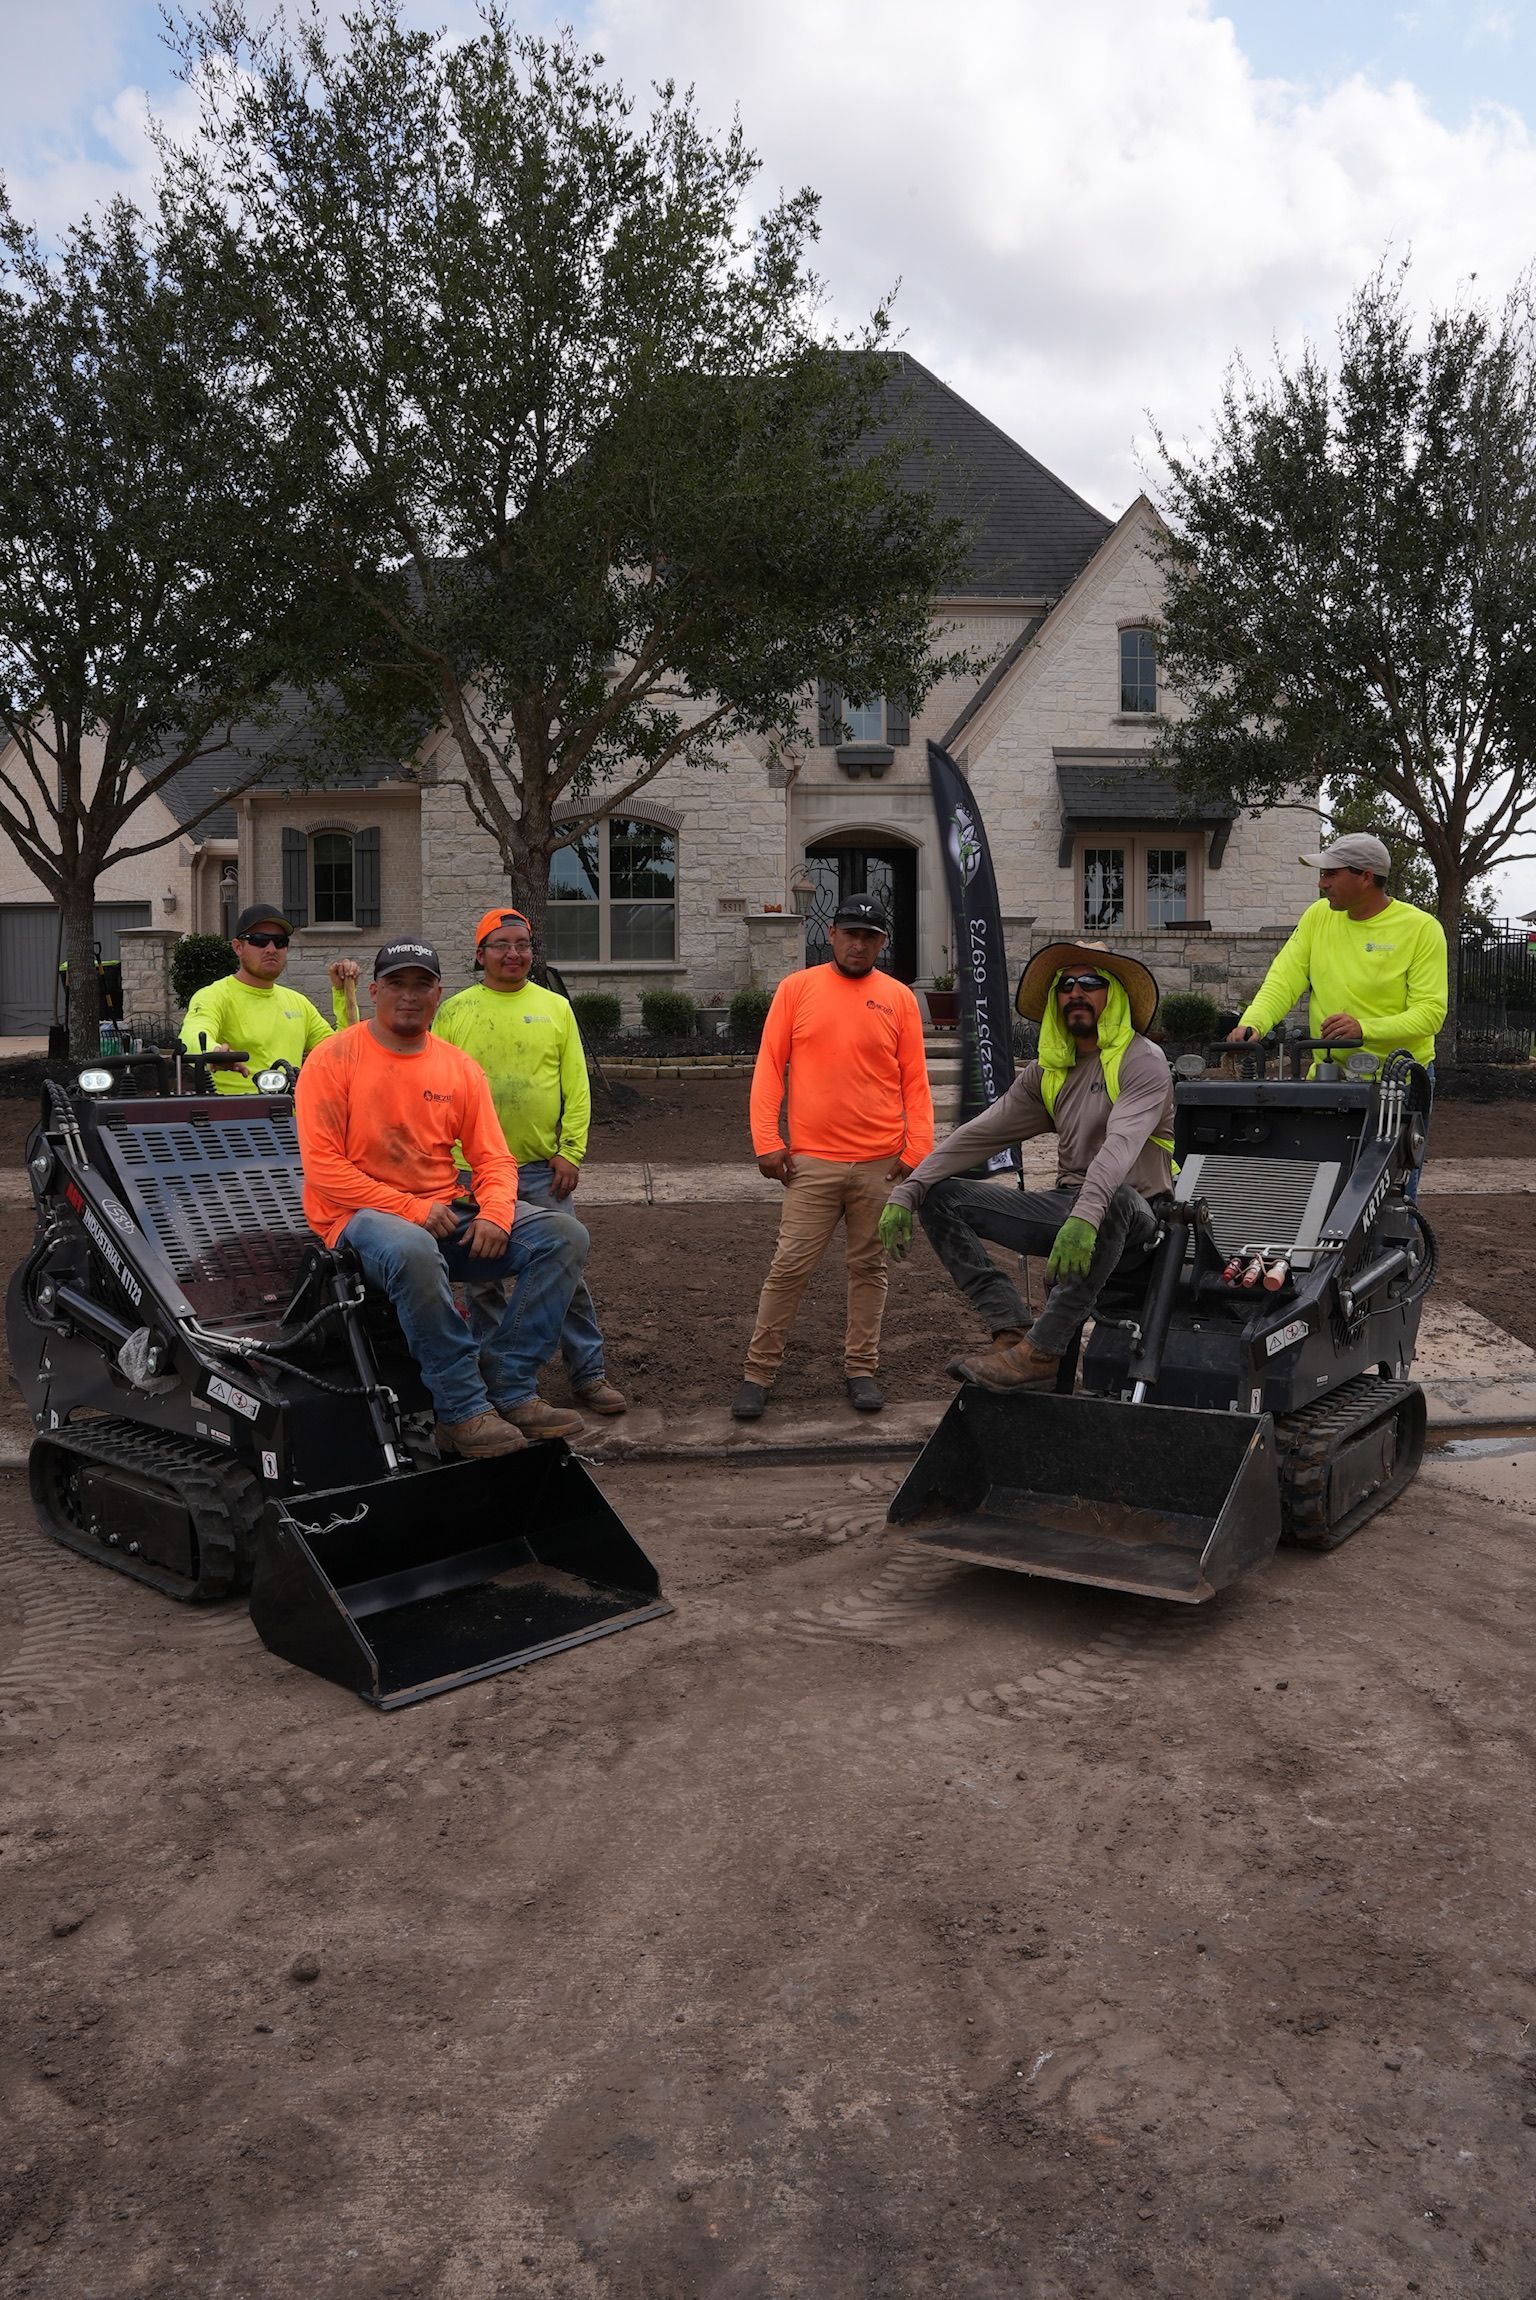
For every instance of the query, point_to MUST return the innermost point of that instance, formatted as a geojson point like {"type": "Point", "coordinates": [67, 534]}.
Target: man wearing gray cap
{"type": "Point", "coordinates": [1374, 968]}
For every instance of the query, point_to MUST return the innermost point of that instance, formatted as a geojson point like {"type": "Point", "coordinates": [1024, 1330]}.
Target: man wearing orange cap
{"type": "Point", "coordinates": [526, 1041]}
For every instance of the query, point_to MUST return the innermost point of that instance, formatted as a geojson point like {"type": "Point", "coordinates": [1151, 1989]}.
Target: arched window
{"type": "Point", "coordinates": [613, 895]}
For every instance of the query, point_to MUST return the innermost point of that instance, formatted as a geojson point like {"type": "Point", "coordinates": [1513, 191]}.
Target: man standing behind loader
{"type": "Point", "coordinates": [247, 1011]}
{"type": "Point", "coordinates": [379, 1111]}
{"type": "Point", "coordinates": [860, 1113]}
{"type": "Point", "coordinates": [1107, 1094]}
{"type": "Point", "coordinates": [526, 1041]}
{"type": "Point", "coordinates": [1374, 968]}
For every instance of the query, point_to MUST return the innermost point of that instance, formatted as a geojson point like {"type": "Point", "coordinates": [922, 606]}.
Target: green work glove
{"type": "Point", "coordinates": [1072, 1252]}
{"type": "Point", "coordinates": [896, 1230]}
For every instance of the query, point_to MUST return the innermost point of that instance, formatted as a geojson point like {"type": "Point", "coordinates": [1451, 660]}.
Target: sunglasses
{"type": "Point", "coordinates": [1082, 982]}
{"type": "Point", "coordinates": [267, 941]}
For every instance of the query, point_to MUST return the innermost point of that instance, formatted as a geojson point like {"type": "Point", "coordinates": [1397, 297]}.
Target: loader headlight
{"type": "Point", "coordinates": [1361, 1065]}
{"type": "Point", "coordinates": [95, 1082]}
{"type": "Point", "coordinates": [279, 1081]}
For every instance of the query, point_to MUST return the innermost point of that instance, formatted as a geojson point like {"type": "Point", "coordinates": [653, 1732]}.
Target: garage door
{"type": "Point", "coordinates": [29, 953]}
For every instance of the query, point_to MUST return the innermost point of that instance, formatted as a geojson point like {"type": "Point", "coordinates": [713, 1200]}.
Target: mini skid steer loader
{"type": "Point", "coordinates": [1255, 1383]}
{"type": "Point", "coordinates": [222, 1406]}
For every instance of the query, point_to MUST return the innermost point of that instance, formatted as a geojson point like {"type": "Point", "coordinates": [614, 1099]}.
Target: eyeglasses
{"type": "Point", "coordinates": [267, 941]}
{"type": "Point", "coordinates": [1081, 982]}
{"type": "Point", "coordinates": [504, 949]}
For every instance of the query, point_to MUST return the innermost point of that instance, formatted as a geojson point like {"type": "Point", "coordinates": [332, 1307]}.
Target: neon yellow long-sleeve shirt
{"type": "Point", "coordinates": [527, 1043]}
{"type": "Point", "coordinates": [268, 1020]}
{"type": "Point", "coordinates": [1389, 972]}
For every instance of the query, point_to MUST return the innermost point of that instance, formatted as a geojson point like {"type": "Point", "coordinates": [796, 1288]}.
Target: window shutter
{"type": "Point", "coordinates": [295, 878]}
{"type": "Point", "coordinates": [365, 888]}
{"type": "Point", "coordinates": [898, 723]}
{"type": "Point", "coordinates": [829, 709]}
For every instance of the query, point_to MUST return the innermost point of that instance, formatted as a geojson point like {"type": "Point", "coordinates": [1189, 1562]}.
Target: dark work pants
{"type": "Point", "coordinates": [959, 1215]}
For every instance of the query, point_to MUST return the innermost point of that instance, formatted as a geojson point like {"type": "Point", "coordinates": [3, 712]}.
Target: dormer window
{"type": "Point", "coordinates": [1138, 673]}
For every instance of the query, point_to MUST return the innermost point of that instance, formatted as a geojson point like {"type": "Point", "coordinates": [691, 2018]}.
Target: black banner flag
{"type": "Point", "coordinates": [981, 977]}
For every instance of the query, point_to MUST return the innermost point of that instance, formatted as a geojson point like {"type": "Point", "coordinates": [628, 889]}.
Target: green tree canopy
{"type": "Point", "coordinates": [596, 490]}
{"type": "Point", "coordinates": [1351, 581]}
{"type": "Point", "coordinates": [146, 603]}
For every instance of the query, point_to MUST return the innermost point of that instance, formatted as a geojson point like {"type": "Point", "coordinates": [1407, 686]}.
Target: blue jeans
{"type": "Point", "coordinates": [581, 1337]}
{"type": "Point", "coordinates": [1411, 1186]}
{"type": "Point", "coordinates": [418, 1272]}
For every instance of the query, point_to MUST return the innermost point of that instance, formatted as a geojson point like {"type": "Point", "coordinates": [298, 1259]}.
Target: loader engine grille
{"type": "Point", "coordinates": [223, 1199]}
{"type": "Point", "coordinates": [1262, 1201]}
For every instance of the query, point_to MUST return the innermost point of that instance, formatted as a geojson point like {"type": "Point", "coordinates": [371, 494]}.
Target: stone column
{"type": "Point", "coordinates": [775, 945]}
{"type": "Point", "coordinates": [146, 954]}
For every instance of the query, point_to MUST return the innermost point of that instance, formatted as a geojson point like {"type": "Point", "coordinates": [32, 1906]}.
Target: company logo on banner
{"type": "Point", "coordinates": [977, 940]}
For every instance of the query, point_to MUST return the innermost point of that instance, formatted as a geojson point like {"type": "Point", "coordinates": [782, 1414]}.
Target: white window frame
{"type": "Point", "coordinates": [1137, 845]}
{"type": "Point", "coordinates": [605, 900]}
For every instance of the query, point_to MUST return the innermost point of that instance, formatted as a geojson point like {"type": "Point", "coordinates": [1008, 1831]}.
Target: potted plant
{"type": "Point", "coordinates": [942, 996]}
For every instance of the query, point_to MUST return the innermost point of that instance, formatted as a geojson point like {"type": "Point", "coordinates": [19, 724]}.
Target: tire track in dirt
{"type": "Point", "coordinates": [61, 1646]}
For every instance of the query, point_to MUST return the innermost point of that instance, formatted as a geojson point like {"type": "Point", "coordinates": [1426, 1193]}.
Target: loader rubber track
{"type": "Point", "coordinates": [1312, 1440]}
{"type": "Point", "coordinates": [222, 1499]}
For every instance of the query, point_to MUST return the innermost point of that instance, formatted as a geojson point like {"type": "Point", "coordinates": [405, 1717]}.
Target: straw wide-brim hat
{"type": "Point", "coordinates": [1137, 981]}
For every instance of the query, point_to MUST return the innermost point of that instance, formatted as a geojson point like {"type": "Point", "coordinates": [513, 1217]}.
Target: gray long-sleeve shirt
{"type": "Point", "coordinates": [1100, 1144]}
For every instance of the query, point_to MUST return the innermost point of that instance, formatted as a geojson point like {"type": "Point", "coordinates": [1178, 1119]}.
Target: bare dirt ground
{"type": "Point", "coordinates": [871, 1928]}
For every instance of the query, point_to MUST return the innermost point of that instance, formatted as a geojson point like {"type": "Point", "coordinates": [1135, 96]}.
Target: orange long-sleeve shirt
{"type": "Point", "coordinates": [377, 1129]}
{"type": "Point", "coordinates": [858, 1081]}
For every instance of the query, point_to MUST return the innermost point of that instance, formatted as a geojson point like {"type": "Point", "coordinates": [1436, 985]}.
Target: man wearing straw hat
{"type": "Point", "coordinates": [1106, 1092]}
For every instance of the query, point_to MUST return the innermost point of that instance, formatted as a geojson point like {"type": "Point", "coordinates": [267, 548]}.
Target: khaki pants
{"type": "Point", "coordinates": [821, 1195]}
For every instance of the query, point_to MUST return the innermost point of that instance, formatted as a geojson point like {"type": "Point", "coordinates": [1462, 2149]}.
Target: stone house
{"type": "Point", "coordinates": [712, 880]}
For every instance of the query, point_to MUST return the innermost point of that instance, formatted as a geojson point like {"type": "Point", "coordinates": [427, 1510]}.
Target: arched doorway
{"type": "Point", "coordinates": [864, 862]}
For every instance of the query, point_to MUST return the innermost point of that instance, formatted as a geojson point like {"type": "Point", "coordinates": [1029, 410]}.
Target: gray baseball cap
{"type": "Point", "coordinates": [1357, 850]}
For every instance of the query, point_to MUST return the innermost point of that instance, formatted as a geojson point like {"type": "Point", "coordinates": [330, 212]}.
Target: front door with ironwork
{"type": "Point", "coordinates": [890, 875]}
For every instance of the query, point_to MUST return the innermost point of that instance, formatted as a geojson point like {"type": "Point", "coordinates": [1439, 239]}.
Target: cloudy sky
{"type": "Point", "coordinates": [1089, 210]}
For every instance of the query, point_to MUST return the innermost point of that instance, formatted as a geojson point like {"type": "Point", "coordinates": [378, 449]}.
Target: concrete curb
{"type": "Point", "coordinates": [646, 1434]}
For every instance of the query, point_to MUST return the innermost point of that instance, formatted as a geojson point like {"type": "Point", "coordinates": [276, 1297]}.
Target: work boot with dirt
{"type": "Point", "coordinates": [1003, 1339]}
{"type": "Point", "coordinates": [538, 1420]}
{"type": "Point", "coordinates": [1020, 1367]}
{"type": "Point", "coordinates": [479, 1438]}
{"type": "Point", "coordinates": [748, 1403]}
{"type": "Point", "coordinates": [864, 1393]}
{"type": "Point", "coordinates": [600, 1397]}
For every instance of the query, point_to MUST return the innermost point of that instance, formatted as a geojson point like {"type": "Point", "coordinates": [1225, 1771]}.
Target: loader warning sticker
{"type": "Point", "coordinates": [269, 1465]}
{"type": "Point", "coordinates": [1283, 1336]}
{"type": "Point", "coordinates": [223, 1393]}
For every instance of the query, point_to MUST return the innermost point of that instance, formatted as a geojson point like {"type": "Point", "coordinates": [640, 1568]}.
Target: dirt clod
{"type": "Point", "coordinates": [304, 1968]}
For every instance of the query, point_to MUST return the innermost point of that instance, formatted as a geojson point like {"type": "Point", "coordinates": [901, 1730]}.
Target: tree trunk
{"type": "Point", "coordinates": [1449, 891]}
{"type": "Point", "coordinates": [78, 907]}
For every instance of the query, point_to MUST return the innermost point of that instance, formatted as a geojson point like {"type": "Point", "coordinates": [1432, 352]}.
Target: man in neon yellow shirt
{"type": "Point", "coordinates": [250, 1012]}
{"type": "Point", "coordinates": [1374, 968]}
{"type": "Point", "coordinates": [526, 1041]}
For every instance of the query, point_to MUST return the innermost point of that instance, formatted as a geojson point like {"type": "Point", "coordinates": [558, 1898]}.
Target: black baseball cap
{"type": "Point", "coordinates": [395, 957]}
{"type": "Point", "coordinates": [861, 910]}
{"type": "Point", "coordinates": [260, 914]}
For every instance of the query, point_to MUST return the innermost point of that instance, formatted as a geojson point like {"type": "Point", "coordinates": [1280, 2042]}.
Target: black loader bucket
{"type": "Point", "coordinates": [412, 1585]}
{"type": "Point", "coordinates": [1164, 1500]}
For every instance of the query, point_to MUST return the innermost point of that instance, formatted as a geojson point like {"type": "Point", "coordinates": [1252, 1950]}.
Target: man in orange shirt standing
{"type": "Point", "coordinates": [379, 1110]}
{"type": "Point", "coordinates": [860, 1117]}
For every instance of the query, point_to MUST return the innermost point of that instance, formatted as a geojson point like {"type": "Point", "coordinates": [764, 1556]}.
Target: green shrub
{"type": "Point", "coordinates": [197, 960]}
{"type": "Point", "coordinates": [1187, 1015]}
{"type": "Point", "coordinates": [599, 1014]}
{"type": "Point", "coordinates": [668, 1014]}
{"type": "Point", "coordinates": [749, 1011]}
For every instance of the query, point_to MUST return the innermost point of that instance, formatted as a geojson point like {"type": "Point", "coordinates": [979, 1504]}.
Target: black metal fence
{"type": "Point", "coordinates": [1496, 1007]}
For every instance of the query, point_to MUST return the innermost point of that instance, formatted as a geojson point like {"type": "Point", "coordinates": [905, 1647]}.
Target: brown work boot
{"type": "Point", "coordinates": [1018, 1367]}
{"type": "Point", "coordinates": [478, 1439]}
{"type": "Point", "coordinates": [1001, 1340]}
{"type": "Point", "coordinates": [537, 1420]}
{"type": "Point", "coordinates": [600, 1397]}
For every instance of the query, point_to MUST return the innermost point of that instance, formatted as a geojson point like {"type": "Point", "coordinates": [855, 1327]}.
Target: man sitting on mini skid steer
{"type": "Point", "coordinates": [1107, 1093]}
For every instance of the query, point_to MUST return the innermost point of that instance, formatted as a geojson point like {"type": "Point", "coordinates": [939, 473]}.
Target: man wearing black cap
{"type": "Point", "coordinates": [860, 1114]}
{"type": "Point", "coordinates": [247, 1010]}
{"type": "Point", "coordinates": [379, 1110]}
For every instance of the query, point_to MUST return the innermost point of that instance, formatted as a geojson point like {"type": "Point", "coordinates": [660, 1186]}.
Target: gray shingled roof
{"type": "Point", "coordinates": [1123, 787]}
{"type": "Point", "coordinates": [292, 749]}
{"type": "Point", "coordinates": [1032, 533]}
